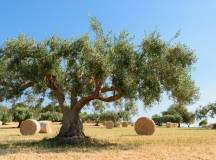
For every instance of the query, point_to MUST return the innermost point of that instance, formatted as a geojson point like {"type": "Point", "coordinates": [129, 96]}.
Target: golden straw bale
{"type": "Point", "coordinates": [29, 127]}
{"type": "Point", "coordinates": [171, 125]}
{"type": "Point", "coordinates": [124, 124]}
{"type": "Point", "coordinates": [117, 124]}
{"type": "Point", "coordinates": [45, 126]}
{"type": "Point", "coordinates": [109, 124]}
{"type": "Point", "coordinates": [144, 126]}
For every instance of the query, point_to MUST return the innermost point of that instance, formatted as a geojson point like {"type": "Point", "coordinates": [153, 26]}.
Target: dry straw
{"type": "Point", "coordinates": [144, 126]}
{"type": "Point", "coordinates": [109, 124]}
{"type": "Point", "coordinates": [124, 124]}
{"type": "Point", "coordinates": [171, 125]}
{"type": "Point", "coordinates": [45, 126]}
{"type": "Point", "coordinates": [29, 127]}
{"type": "Point", "coordinates": [117, 124]}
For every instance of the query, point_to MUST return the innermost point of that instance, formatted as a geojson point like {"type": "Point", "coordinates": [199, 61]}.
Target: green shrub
{"type": "Point", "coordinates": [51, 108]}
{"type": "Point", "coordinates": [203, 123]}
{"type": "Point", "coordinates": [51, 116]}
{"type": "Point", "coordinates": [21, 113]}
{"type": "Point", "coordinates": [214, 126]}
{"type": "Point", "coordinates": [5, 115]}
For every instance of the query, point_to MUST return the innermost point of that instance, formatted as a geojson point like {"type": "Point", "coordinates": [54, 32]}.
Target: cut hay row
{"type": "Point", "coordinates": [144, 126]}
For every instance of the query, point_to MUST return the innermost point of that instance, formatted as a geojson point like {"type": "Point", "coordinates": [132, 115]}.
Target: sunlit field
{"type": "Point", "coordinates": [117, 143]}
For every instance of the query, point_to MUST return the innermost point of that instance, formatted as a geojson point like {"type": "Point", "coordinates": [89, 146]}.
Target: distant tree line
{"type": "Point", "coordinates": [176, 113]}
{"type": "Point", "coordinates": [22, 111]}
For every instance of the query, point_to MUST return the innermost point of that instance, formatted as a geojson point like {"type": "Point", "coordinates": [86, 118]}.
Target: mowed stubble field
{"type": "Point", "coordinates": [118, 144]}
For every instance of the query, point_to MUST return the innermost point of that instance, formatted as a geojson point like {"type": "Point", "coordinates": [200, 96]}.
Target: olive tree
{"type": "Point", "coordinates": [103, 67]}
{"type": "Point", "coordinates": [205, 111]}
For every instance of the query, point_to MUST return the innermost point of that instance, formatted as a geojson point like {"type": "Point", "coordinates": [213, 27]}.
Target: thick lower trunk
{"type": "Point", "coordinates": [71, 125]}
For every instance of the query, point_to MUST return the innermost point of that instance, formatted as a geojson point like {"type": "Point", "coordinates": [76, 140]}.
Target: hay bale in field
{"type": "Point", "coordinates": [45, 126]}
{"type": "Point", "coordinates": [109, 125]}
{"type": "Point", "coordinates": [175, 125]}
{"type": "Point", "coordinates": [168, 124]}
{"type": "Point", "coordinates": [104, 123]}
{"type": "Point", "coordinates": [124, 124]}
{"type": "Point", "coordinates": [171, 125]}
{"type": "Point", "coordinates": [117, 124]}
{"type": "Point", "coordinates": [0, 123]}
{"type": "Point", "coordinates": [209, 126]}
{"type": "Point", "coordinates": [144, 126]}
{"type": "Point", "coordinates": [29, 127]}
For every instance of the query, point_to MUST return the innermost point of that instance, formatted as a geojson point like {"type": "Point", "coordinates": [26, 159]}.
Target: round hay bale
{"type": "Point", "coordinates": [104, 123]}
{"type": "Point", "coordinates": [0, 123]}
{"type": "Point", "coordinates": [144, 126]}
{"type": "Point", "coordinates": [209, 126]}
{"type": "Point", "coordinates": [29, 127]}
{"type": "Point", "coordinates": [109, 125]}
{"type": "Point", "coordinates": [124, 124]}
{"type": "Point", "coordinates": [169, 125]}
{"type": "Point", "coordinates": [45, 126]}
{"type": "Point", "coordinates": [117, 124]}
{"type": "Point", "coordinates": [175, 125]}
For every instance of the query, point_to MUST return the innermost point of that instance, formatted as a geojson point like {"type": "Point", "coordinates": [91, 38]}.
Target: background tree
{"type": "Point", "coordinates": [125, 109]}
{"type": "Point", "coordinates": [205, 111]}
{"type": "Point", "coordinates": [157, 119]}
{"type": "Point", "coordinates": [178, 109]}
{"type": "Point", "coordinates": [105, 67]}
{"type": "Point", "coordinates": [5, 114]}
{"type": "Point", "coordinates": [110, 116]}
{"type": "Point", "coordinates": [98, 109]}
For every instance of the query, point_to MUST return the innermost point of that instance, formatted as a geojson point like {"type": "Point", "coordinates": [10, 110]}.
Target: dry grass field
{"type": "Point", "coordinates": [118, 144]}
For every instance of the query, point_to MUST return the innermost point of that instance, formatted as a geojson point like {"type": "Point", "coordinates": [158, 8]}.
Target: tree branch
{"type": "Point", "coordinates": [97, 88]}
{"type": "Point", "coordinates": [84, 100]}
{"type": "Point", "coordinates": [109, 99]}
{"type": "Point", "coordinates": [54, 86]}
{"type": "Point", "coordinates": [107, 89]}
{"type": "Point", "coordinates": [11, 91]}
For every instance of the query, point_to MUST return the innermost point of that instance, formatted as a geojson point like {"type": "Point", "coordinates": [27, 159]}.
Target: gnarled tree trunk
{"type": "Point", "coordinates": [72, 127]}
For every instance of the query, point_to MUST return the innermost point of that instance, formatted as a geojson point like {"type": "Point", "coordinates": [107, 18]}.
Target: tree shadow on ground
{"type": "Point", "coordinates": [53, 145]}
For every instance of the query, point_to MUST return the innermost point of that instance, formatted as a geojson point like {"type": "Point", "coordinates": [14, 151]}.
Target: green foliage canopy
{"type": "Point", "coordinates": [205, 111]}
{"type": "Point", "coordinates": [106, 67]}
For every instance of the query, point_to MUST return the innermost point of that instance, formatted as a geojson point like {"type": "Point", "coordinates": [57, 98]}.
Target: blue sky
{"type": "Point", "coordinates": [69, 18]}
